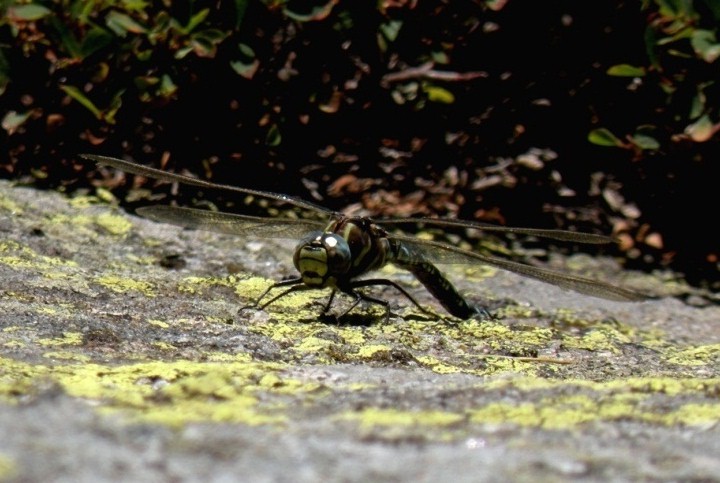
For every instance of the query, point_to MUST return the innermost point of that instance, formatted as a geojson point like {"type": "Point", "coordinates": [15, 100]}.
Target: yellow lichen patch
{"type": "Point", "coordinates": [497, 364]}
{"type": "Point", "coordinates": [352, 335]}
{"type": "Point", "coordinates": [172, 393]}
{"type": "Point", "coordinates": [105, 195]}
{"type": "Point", "coordinates": [313, 344]}
{"type": "Point", "coordinates": [19, 256]}
{"type": "Point", "coordinates": [159, 323]}
{"type": "Point", "coordinates": [47, 310]}
{"type": "Point", "coordinates": [564, 416]}
{"type": "Point", "coordinates": [436, 365]}
{"type": "Point", "coordinates": [285, 385]}
{"type": "Point", "coordinates": [113, 224]}
{"type": "Point", "coordinates": [626, 399]}
{"type": "Point", "coordinates": [79, 223]}
{"type": "Point", "coordinates": [662, 385]}
{"type": "Point", "coordinates": [224, 357]}
{"type": "Point", "coordinates": [371, 351]}
{"type": "Point", "coordinates": [17, 378]}
{"type": "Point", "coordinates": [599, 340]}
{"type": "Point", "coordinates": [8, 205]}
{"type": "Point", "coordinates": [697, 356]}
{"type": "Point", "coordinates": [63, 308]}
{"type": "Point", "coordinates": [82, 202]}
{"type": "Point", "coordinates": [18, 296]}
{"type": "Point", "coordinates": [198, 285]}
{"type": "Point", "coordinates": [287, 332]}
{"type": "Point", "coordinates": [694, 414]}
{"type": "Point", "coordinates": [478, 273]}
{"type": "Point", "coordinates": [515, 312]}
{"type": "Point", "coordinates": [66, 356]}
{"type": "Point", "coordinates": [165, 346]}
{"type": "Point", "coordinates": [485, 330]}
{"type": "Point", "coordinates": [122, 285]}
{"type": "Point", "coordinates": [147, 261]}
{"type": "Point", "coordinates": [499, 336]}
{"type": "Point", "coordinates": [67, 339]}
{"type": "Point", "coordinates": [372, 417]}
{"type": "Point", "coordinates": [251, 287]}
{"type": "Point", "coordinates": [14, 344]}
{"type": "Point", "coordinates": [8, 469]}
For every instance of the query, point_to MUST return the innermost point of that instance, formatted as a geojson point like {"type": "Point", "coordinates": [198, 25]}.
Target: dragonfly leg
{"type": "Point", "coordinates": [329, 302]}
{"type": "Point", "coordinates": [383, 281]}
{"type": "Point", "coordinates": [295, 282]}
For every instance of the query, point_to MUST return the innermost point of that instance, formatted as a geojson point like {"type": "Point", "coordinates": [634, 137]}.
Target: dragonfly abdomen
{"type": "Point", "coordinates": [436, 283]}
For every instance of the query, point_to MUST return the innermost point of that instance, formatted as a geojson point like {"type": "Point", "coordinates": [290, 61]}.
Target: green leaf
{"type": "Point", "coordinates": [496, 5]}
{"type": "Point", "coordinates": [183, 52]}
{"type": "Point", "coordinates": [67, 39]}
{"type": "Point", "coordinates": [167, 86]}
{"type": "Point", "coordinates": [705, 45]}
{"type": "Point", "coordinates": [626, 70]}
{"type": "Point", "coordinates": [77, 95]}
{"type": "Point", "coordinates": [240, 8]}
{"type": "Point", "coordinates": [115, 104]}
{"type": "Point", "coordinates": [4, 72]}
{"type": "Point", "coordinates": [300, 11]}
{"type": "Point", "coordinates": [28, 12]}
{"type": "Point", "coordinates": [121, 24]}
{"type": "Point", "coordinates": [697, 106]}
{"type": "Point", "coordinates": [145, 82]}
{"type": "Point", "coordinates": [701, 130]}
{"type": "Point", "coordinates": [94, 40]}
{"type": "Point", "coordinates": [194, 21]}
{"type": "Point", "coordinates": [13, 120]}
{"type": "Point", "coordinates": [108, 115]}
{"type": "Point", "coordinates": [247, 70]}
{"type": "Point", "coordinates": [134, 5]}
{"type": "Point", "coordinates": [273, 137]}
{"type": "Point", "coordinates": [650, 38]}
{"type": "Point", "coordinates": [439, 94]}
{"type": "Point", "coordinates": [204, 43]}
{"type": "Point", "coordinates": [643, 141]}
{"type": "Point", "coordinates": [603, 137]}
{"type": "Point", "coordinates": [390, 30]}
{"type": "Point", "coordinates": [247, 65]}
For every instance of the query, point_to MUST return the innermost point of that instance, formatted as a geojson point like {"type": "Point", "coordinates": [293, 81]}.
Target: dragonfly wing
{"type": "Point", "coordinates": [233, 224]}
{"type": "Point", "coordinates": [562, 235]}
{"type": "Point", "coordinates": [443, 253]}
{"type": "Point", "coordinates": [139, 169]}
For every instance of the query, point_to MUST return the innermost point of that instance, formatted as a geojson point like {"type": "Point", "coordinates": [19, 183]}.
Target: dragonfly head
{"type": "Point", "coordinates": [321, 257]}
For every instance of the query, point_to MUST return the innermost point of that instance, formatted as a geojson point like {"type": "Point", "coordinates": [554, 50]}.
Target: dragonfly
{"type": "Point", "coordinates": [337, 253]}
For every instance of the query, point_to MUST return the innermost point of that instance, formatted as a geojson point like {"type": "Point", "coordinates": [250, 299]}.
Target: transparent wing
{"type": "Point", "coordinates": [443, 253]}
{"type": "Point", "coordinates": [247, 226]}
{"type": "Point", "coordinates": [141, 170]}
{"type": "Point", "coordinates": [134, 168]}
{"type": "Point", "coordinates": [562, 235]}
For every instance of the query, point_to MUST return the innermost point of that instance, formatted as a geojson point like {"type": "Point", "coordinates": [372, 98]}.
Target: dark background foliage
{"type": "Point", "coordinates": [598, 116]}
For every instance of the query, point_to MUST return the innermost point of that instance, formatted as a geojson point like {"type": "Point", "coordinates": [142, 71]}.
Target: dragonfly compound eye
{"type": "Point", "coordinates": [320, 257]}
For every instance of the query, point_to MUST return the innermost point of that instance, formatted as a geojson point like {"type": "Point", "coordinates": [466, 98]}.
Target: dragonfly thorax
{"type": "Point", "coordinates": [321, 258]}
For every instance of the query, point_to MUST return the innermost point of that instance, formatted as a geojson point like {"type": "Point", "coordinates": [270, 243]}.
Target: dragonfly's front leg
{"type": "Point", "coordinates": [329, 302]}
{"type": "Point", "coordinates": [295, 284]}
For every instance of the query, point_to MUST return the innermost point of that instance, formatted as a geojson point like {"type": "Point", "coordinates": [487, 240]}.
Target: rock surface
{"type": "Point", "coordinates": [124, 355]}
